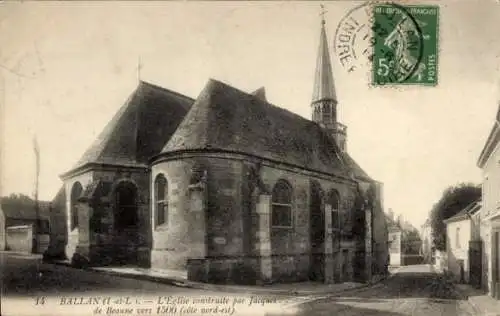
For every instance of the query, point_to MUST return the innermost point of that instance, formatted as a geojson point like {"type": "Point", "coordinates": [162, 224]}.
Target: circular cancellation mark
{"type": "Point", "coordinates": [383, 35]}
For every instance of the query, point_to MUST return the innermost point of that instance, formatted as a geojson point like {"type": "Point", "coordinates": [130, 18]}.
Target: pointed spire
{"type": "Point", "coordinates": [324, 88]}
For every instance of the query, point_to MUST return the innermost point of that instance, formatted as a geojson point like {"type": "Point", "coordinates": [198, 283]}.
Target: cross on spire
{"type": "Point", "coordinates": [139, 66]}
{"type": "Point", "coordinates": [322, 13]}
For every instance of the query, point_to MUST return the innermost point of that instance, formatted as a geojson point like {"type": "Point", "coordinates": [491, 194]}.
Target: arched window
{"type": "Point", "coordinates": [161, 200]}
{"type": "Point", "coordinates": [334, 201]}
{"type": "Point", "coordinates": [76, 192]}
{"type": "Point", "coordinates": [281, 215]}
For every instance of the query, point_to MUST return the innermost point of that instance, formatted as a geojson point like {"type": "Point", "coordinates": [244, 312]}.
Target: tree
{"type": "Point", "coordinates": [17, 199]}
{"type": "Point", "coordinates": [453, 200]}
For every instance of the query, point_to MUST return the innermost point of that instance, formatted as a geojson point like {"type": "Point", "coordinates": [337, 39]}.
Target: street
{"type": "Point", "coordinates": [412, 290]}
{"type": "Point", "coordinates": [24, 275]}
{"type": "Point", "coordinates": [26, 282]}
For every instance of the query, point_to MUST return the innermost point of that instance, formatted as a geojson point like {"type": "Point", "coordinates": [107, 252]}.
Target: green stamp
{"type": "Point", "coordinates": [405, 44]}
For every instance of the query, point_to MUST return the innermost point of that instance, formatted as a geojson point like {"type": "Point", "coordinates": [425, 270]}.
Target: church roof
{"type": "Point", "coordinates": [324, 88]}
{"type": "Point", "coordinates": [225, 118]}
{"type": "Point", "coordinates": [357, 171]}
{"type": "Point", "coordinates": [139, 129]}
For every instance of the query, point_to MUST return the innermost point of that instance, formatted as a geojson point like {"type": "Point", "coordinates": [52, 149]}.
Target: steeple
{"type": "Point", "coordinates": [324, 99]}
{"type": "Point", "coordinates": [324, 88]}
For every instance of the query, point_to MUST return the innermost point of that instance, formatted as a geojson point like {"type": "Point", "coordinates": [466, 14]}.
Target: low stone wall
{"type": "Point", "coordinates": [407, 260]}
{"type": "Point", "coordinates": [19, 238]}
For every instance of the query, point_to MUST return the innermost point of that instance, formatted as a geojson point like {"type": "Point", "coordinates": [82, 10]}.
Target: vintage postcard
{"type": "Point", "coordinates": [249, 158]}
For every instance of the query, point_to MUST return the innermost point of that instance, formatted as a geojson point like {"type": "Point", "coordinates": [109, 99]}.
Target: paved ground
{"type": "Point", "coordinates": [413, 290]}
{"type": "Point", "coordinates": [61, 290]}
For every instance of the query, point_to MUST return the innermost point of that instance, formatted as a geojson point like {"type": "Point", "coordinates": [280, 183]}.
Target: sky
{"type": "Point", "coordinates": [66, 68]}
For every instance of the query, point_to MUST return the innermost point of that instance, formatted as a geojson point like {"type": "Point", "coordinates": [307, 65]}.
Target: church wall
{"type": "Point", "coordinates": [141, 180]}
{"type": "Point", "coordinates": [229, 251]}
{"type": "Point", "coordinates": [73, 234]}
{"type": "Point", "coordinates": [380, 237]}
{"type": "Point", "coordinates": [171, 241]}
{"type": "Point", "coordinates": [291, 246]}
{"type": "Point", "coordinates": [225, 226]}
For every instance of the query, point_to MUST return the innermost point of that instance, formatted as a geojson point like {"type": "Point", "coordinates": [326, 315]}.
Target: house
{"type": "Point", "coordinates": [227, 186]}
{"type": "Point", "coordinates": [2, 229]}
{"type": "Point", "coordinates": [404, 242]}
{"type": "Point", "coordinates": [490, 215]}
{"type": "Point", "coordinates": [23, 228]}
{"type": "Point", "coordinates": [462, 233]}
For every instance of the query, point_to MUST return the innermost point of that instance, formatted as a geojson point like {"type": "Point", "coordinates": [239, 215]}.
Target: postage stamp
{"type": "Point", "coordinates": [405, 44]}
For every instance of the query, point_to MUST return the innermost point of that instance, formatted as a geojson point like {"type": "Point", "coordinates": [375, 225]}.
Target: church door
{"type": "Point", "coordinates": [126, 224]}
{"type": "Point", "coordinates": [317, 234]}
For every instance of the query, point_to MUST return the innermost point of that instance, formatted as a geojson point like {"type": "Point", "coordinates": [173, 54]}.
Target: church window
{"type": "Point", "coordinates": [281, 215]}
{"type": "Point", "coordinates": [161, 198]}
{"type": "Point", "coordinates": [76, 192]}
{"type": "Point", "coordinates": [334, 201]}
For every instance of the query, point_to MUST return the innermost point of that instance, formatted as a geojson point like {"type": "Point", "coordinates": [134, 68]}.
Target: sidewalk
{"type": "Point", "coordinates": [480, 300]}
{"type": "Point", "coordinates": [179, 278]}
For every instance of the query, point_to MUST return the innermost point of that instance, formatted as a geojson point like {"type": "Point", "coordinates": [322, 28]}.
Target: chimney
{"type": "Point", "coordinates": [260, 94]}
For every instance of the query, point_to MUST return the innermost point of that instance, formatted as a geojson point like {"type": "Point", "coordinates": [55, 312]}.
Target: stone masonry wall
{"type": "Point", "coordinates": [73, 234]}
{"type": "Point", "coordinates": [171, 241]}
{"type": "Point", "coordinates": [291, 246]}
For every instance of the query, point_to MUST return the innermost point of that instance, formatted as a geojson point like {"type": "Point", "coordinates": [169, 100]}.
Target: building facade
{"type": "Point", "coordinates": [227, 186]}
{"type": "Point", "coordinates": [490, 215]}
{"type": "Point", "coordinates": [462, 234]}
{"type": "Point", "coordinates": [23, 228]}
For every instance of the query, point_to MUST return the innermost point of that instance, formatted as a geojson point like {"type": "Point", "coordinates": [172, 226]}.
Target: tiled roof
{"type": "Point", "coordinates": [225, 118]}
{"type": "Point", "coordinates": [358, 172]}
{"type": "Point", "coordinates": [27, 212]}
{"type": "Point", "coordinates": [469, 210]}
{"type": "Point", "coordinates": [491, 142]}
{"type": "Point", "coordinates": [140, 128]}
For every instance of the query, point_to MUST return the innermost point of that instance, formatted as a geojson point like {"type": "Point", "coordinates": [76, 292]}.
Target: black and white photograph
{"type": "Point", "coordinates": [267, 158]}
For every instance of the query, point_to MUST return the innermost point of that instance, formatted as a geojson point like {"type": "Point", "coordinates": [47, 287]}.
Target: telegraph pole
{"type": "Point", "coordinates": [37, 204]}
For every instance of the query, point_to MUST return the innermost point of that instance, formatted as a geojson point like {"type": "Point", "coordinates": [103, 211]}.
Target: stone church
{"type": "Point", "coordinates": [227, 186]}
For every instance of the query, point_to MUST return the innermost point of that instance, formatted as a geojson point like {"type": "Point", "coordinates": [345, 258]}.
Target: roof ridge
{"type": "Point", "coordinates": [158, 87]}
{"type": "Point", "coordinates": [264, 101]}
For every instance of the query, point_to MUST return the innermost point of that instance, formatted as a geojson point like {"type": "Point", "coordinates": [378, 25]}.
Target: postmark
{"type": "Point", "coordinates": [405, 40]}
{"type": "Point", "coordinates": [354, 39]}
